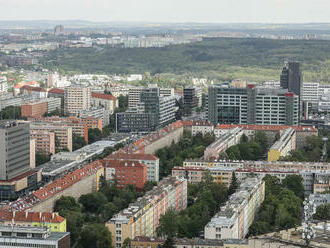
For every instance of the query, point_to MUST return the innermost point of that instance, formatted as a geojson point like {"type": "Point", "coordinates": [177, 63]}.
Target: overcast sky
{"type": "Point", "coordinates": [269, 11]}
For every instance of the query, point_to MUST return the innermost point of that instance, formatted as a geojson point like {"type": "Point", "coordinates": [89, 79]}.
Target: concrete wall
{"type": "Point", "coordinates": [164, 141]}
{"type": "Point", "coordinates": [84, 186]}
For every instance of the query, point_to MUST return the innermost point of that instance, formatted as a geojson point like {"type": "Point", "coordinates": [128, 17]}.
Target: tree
{"type": "Point", "coordinates": [108, 211]}
{"type": "Point", "coordinates": [259, 227]}
{"type": "Point", "coordinates": [66, 203]}
{"type": "Point", "coordinates": [323, 212]}
{"type": "Point", "coordinates": [169, 243]}
{"type": "Point", "coordinates": [294, 183]}
{"type": "Point", "coordinates": [168, 224]}
{"type": "Point", "coordinates": [127, 243]}
{"type": "Point", "coordinates": [42, 158]}
{"type": "Point", "coordinates": [94, 135]}
{"type": "Point", "coordinates": [233, 184]}
{"type": "Point", "coordinates": [149, 186]}
{"type": "Point", "coordinates": [95, 236]}
{"type": "Point", "coordinates": [77, 142]}
{"type": "Point", "coordinates": [93, 202]}
{"type": "Point", "coordinates": [244, 139]}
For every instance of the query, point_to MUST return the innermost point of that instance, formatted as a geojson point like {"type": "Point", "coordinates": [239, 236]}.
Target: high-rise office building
{"type": "Point", "coordinates": [252, 105]}
{"type": "Point", "coordinates": [192, 97]}
{"type": "Point", "coordinates": [162, 107]}
{"type": "Point", "coordinates": [14, 149]}
{"type": "Point", "coordinates": [76, 99]}
{"type": "Point", "coordinates": [291, 77]}
{"type": "Point", "coordinates": [59, 30]}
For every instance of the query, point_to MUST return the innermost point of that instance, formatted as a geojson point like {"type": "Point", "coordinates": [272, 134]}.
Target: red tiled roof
{"type": "Point", "coordinates": [55, 187]}
{"type": "Point", "coordinates": [31, 88]}
{"type": "Point", "coordinates": [20, 85]}
{"type": "Point", "coordinates": [266, 127]}
{"type": "Point", "coordinates": [56, 91]}
{"type": "Point", "coordinates": [103, 96]}
{"type": "Point", "coordinates": [22, 216]}
{"type": "Point", "coordinates": [134, 156]}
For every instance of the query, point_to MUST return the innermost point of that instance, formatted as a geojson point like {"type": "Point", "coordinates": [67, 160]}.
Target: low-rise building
{"type": "Point", "coordinates": [141, 218]}
{"type": "Point", "coordinates": [106, 101]}
{"type": "Point", "coordinates": [97, 113]}
{"type": "Point", "coordinates": [271, 131]}
{"type": "Point", "coordinates": [53, 221]}
{"type": "Point", "coordinates": [34, 109]}
{"type": "Point", "coordinates": [76, 183]}
{"type": "Point", "coordinates": [283, 146]}
{"type": "Point", "coordinates": [202, 127]}
{"type": "Point", "coordinates": [38, 92]}
{"type": "Point", "coordinates": [235, 217]}
{"type": "Point", "coordinates": [195, 174]}
{"type": "Point", "coordinates": [151, 161]}
{"type": "Point", "coordinates": [21, 237]}
{"type": "Point", "coordinates": [125, 172]}
{"type": "Point", "coordinates": [232, 137]}
{"type": "Point", "coordinates": [320, 199]}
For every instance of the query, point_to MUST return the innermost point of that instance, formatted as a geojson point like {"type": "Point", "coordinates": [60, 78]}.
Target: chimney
{"type": "Point", "coordinates": [26, 214]}
{"type": "Point", "coordinates": [40, 215]}
{"type": "Point", "coordinates": [53, 215]}
{"type": "Point", "coordinates": [14, 213]}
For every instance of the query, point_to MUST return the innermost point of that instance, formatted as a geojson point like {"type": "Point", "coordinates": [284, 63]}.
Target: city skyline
{"type": "Point", "coordinates": [208, 11]}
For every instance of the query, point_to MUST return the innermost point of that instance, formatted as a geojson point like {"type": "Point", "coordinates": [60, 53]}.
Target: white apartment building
{"type": "Point", "coordinates": [234, 219]}
{"type": "Point", "coordinates": [3, 85]}
{"type": "Point", "coordinates": [76, 99]}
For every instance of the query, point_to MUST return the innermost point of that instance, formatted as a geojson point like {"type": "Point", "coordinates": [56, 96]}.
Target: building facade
{"type": "Point", "coordinates": [76, 98]}
{"type": "Point", "coordinates": [235, 217]}
{"type": "Point", "coordinates": [252, 105]}
{"type": "Point", "coordinates": [141, 218]}
{"type": "Point", "coordinates": [151, 161]}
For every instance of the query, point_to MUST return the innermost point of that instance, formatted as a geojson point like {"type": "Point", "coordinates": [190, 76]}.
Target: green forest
{"type": "Point", "coordinates": [220, 59]}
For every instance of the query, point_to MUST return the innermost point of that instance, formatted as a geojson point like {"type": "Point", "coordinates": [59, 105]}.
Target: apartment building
{"type": "Point", "coordinates": [202, 127]}
{"type": "Point", "coordinates": [235, 217]}
{"type": "Point", "coordinates": [283, 146]}
{"type": "Point", "coordinates": [106, 101]}
{"type": "Point", "coordinates": [135, 122]}
{"type": "Point", "coordinates": [77, 98]}
{"type": "Point", "coordinates": [141, 218]}
{"type": "Point", "coordinates": [271, 131]}
{"type": "Point", "coordinates": [44, 141]}
{"type": "Point", "coordinates": [21, 237]}
{"type": "Point", "coordinates": [252, 105]}
{"type": "Point", "coordinates": [195, 174]}
{"type": "Point", "coordinates": [125, 172]}
{"type": "Point", "coordinates": [36, 92]}
{"type": "Point", "coordinates": [76, 183]}
{"type": "Point", "coordinates": [53, 221]}
{"type": "Point", "coordinates": [229, 139]}
{"type": "Point", "coordinates": [34, 109]}
{"type": "Point", "coordinates": [79, 126]}
{"type": "Point", "coordinates": [97, 113]}
{"type": "Point", "coordinates": [62, 133]}
{"type": "Point", "coordinates": [3, 85]}
{"type": "Point", "coordinates": [151, 161]}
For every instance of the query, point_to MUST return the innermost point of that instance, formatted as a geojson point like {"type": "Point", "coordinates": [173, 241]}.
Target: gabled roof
{"type": "Point", "coordinates": [56, 91]}
{"type": "Point", "coordinates": [104, 96]}
{"type": "Point", "coordinates": [30, 88]}
{"type": "Point", "coordinates": [22, 216]}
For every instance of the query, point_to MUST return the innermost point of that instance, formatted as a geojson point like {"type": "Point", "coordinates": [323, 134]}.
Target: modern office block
{"type": "Point", "coordinates": [77, 98]}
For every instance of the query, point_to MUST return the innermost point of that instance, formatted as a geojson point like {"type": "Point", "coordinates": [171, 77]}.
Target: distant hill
{"type": "Point", "coordinates": [216, 58]}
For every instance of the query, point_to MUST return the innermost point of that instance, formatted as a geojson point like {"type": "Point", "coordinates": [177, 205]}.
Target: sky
{"type": "Point", "coordinates": [207, 11]}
